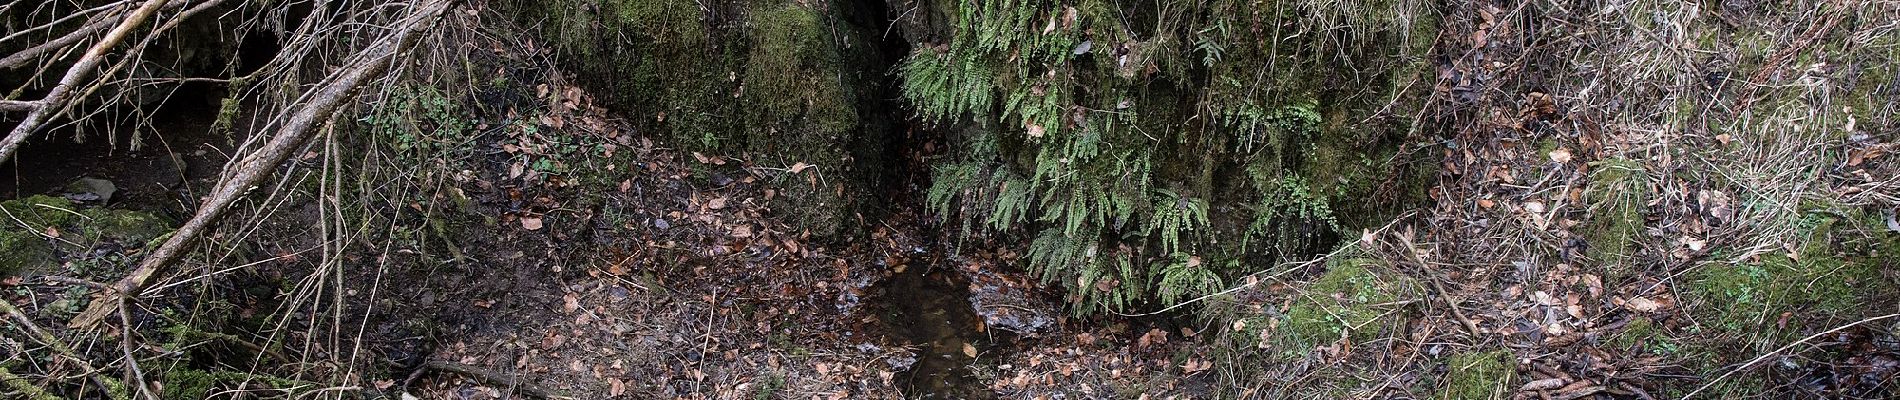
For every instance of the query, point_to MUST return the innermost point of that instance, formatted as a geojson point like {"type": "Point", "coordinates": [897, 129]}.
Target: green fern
{"type": "Point", "coordinates": [1067, 114]}
{"type": "Point", "coordinates": [1175, 215]}
{"type": "Point", "coordinates": [1185, 277]}
{"type": "Point", "coordinates": [1289, 216]}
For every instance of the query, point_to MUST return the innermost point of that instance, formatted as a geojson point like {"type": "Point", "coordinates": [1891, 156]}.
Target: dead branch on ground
{"type": "Point", "coordinates": [297, 128]}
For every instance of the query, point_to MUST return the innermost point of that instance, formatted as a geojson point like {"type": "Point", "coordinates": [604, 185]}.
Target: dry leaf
{"type": "Point", "coordinates": [1693, 243]}
{"type": "Point", "coordinates": [716, 203]}
{"type": "Point", "coordinates": [1560, 155]}
{"type": "Point", "coordinates": [1642, 304]}
{"type": "Point", "coordinates": [798, 167]}
{"type": "Point", "coordinates": [1198, 365]}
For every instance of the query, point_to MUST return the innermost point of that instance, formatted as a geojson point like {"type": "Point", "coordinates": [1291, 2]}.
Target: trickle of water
{"type": "Point", "coordinates": [929, 309]}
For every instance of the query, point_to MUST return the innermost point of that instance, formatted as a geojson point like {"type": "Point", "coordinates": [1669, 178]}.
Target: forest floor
{"type": "Point", "coordinates": [559, 253]}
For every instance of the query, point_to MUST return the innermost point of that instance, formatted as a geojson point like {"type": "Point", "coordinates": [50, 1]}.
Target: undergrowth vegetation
{"type": "Point", "coordinates": [1152, 152]}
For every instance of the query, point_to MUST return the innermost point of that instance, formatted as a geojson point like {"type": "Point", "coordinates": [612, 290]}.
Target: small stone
{"type": "Point", "coordinates": [99, 190]}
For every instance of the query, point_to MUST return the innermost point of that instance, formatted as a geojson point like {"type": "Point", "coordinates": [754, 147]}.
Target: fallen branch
{"type": "Point", "coordinates": [59, 347]}
{"type": "Point", "coordinates": [25, 388]}
{"type": "Point", "coordinates": [298, 127]}
{"type": "Point", "coordinates": [1764, 357]}
{"type": "Point", "coordinates": [20, 58]}
{"type": "Point", "coordinates": [80, 71]}
{"type": "Point", "coordinates": [17, 106]}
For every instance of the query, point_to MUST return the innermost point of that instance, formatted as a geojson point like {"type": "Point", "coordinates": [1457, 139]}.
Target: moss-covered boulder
{"type": "Point", "coordinates": [40, 228]}
{"type": "Point", "coordinates": [25, 242]}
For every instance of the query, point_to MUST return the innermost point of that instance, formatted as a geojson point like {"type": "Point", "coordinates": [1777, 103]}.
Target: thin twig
{"type": "Point", "coordinates": [1764, 356]}
{"type": "Point", "coordinates": [1291, 266]}
{"type": "Point", "coordinates": [53, 342]}
{"type": "Point", "coordinates": [80, 71]}
{"type": "Point", "coordinates": [298, 128]}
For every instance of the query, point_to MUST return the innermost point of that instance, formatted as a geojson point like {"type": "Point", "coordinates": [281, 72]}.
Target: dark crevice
{"type": "Point", "coordinates": [924, 305]}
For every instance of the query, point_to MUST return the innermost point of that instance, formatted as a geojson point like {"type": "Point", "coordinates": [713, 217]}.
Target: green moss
{"type": "Point", "coordinates": [1832, 275]}
{"type": "Point", "coordinates": [24, 245]}
{"type": "Point", "coordinates": [191, 383]}
{"type": "Point", "coordinates": [126, 226]}
{"type": "Point", "coordinates": [1478, 376]}
{"type": "Point", "coordinates": [23, 387]}
{"type": "Point", "coordinates": [1350, 300]}
{"type": "Point", "coordinates": [22, 251]}
{"type": "Point", "coordinates": [187, 383]}
{"type": "Point", "coordinates": [667, 23]}
{"type": "Point", "coordinates": [39, 211]}
{"type": "Point", "coordinates": [22, 248]}
{"type": "Point", "coordinates": [786, 41]}
{"type": "Point", "coordinates": [1637, 332]}
{"type": "Point", "coordinates": [1616, 195]}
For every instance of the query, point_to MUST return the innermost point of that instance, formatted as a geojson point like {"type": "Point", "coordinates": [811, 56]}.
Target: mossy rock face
{"type": "Point", "coordinates": [28, 243]}
{"type": "Point", "coordinates": [128, 227]}
{"type": "Point", "coordinates": [779, 82]}
{"type": "Point", "coordinates": [1351, 300]}
{"type": "Point", "coordinates": [1482, 375]}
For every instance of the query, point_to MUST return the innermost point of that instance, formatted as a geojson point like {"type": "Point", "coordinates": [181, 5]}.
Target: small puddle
{"type": "Point", "coordinates": [929, 309]}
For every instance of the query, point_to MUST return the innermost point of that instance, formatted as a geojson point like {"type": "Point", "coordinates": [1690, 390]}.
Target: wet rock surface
{"type": "Point", "coordinates": [1010, 301]}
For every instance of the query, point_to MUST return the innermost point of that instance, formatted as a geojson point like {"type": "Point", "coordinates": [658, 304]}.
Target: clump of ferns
{"type": "Point", "coordinates": [1290, 217]}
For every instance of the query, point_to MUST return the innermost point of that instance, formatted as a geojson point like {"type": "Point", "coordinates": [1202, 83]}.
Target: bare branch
{"type": "Point", "coordinates": [18, 106]}
{"type": "Point", "coordinates": [79, 72]}
{"type": "Point", "coordinates": [320, 103]}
